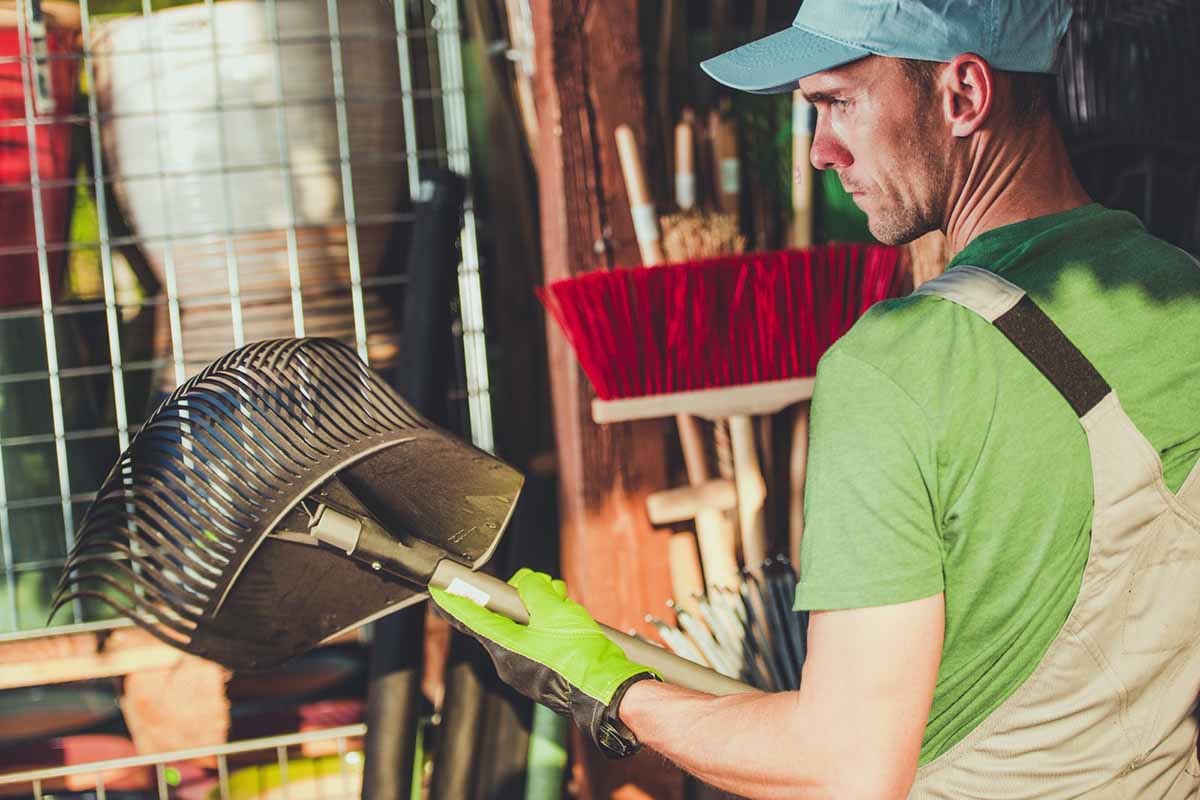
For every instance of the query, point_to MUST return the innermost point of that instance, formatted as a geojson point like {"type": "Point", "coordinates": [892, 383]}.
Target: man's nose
{"type": "Point", "coordinates": [828, 152]}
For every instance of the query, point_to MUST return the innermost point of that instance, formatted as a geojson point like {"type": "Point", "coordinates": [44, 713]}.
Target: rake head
{"type": "Point", "coordinates": [213, 529]}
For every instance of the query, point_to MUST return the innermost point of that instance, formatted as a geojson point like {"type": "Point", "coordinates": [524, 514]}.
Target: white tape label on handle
{"type": "Point", "coordinates": [43, 95]}
{"type": "Point", "coordinates": [645, 222]}
{"type": "Point", "coordinates": [685, 190]}
{"type": "Point", "coordinates": [460, 588]}
{"type": "Point", "coordinates": [731, 176]}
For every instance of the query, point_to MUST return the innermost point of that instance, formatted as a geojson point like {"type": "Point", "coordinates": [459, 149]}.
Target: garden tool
{"type": "Point", "coordinates": [286, 494]}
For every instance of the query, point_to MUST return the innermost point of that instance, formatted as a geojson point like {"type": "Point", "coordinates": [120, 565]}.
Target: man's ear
{"type": "Point", "coordinates": [968, 89]}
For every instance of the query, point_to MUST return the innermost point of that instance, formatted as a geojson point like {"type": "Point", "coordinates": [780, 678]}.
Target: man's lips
{"type": "Point", "coordinates": [851, 188]}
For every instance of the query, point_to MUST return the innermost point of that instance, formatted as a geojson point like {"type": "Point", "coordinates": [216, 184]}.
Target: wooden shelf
{"type": "Point", "coordinates": [732, 401]}
{"type": "Point", "coordinates": [65, 658]}
{"type": "Point", "coordinates": [81, 656]}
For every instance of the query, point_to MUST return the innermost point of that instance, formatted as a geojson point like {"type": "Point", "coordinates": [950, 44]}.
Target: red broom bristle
{"type": "Point", "coordinates": [720, 322]}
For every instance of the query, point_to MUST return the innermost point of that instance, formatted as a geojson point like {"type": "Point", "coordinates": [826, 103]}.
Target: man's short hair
{"type": "Point", "coordinates": [1032, 92]}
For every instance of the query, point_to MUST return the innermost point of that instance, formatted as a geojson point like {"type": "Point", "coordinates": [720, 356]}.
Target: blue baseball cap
{"type": "Point", "coordinates": [1012, 35]}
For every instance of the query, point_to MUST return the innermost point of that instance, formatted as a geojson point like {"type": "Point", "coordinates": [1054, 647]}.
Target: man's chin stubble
{"type": "Point", "coordinates": [895, 231]}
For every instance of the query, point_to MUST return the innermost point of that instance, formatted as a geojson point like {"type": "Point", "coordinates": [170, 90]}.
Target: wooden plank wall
{"type": "Point", "coordinates": [589, 81]}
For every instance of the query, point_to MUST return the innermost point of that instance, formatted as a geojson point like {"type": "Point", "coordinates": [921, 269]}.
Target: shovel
{"type": "Point", "coordinates": [286, 494]}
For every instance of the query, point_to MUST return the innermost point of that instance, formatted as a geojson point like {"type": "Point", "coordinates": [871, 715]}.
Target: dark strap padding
{"type": "Point", "coordinates": [1044, 344]}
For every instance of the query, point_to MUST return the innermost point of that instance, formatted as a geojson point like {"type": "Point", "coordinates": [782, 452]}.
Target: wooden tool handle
{"type": "Point", "coordinates": [798, 472]}
{"type": "Point", "coordinates": [804, 178]}
{"type": "Point", "coordinates": [641, 206]}
{"type": "Point", "coordinates": [717, 540]}
{"type": "Point", "coordinates": [714, 530]}
{"type": "Point", "coordinates": [687, 579]}
{"type": "Point", "coordinates": [752, 492]}
{"type": "Point", "coordinates": [685, 166]}
{"type": "Point", "coordinates": [496, 595]}
{"type": "Point", "coordinates": [684, 503]}
{"type": "Point", "coordinates": [727, 165]}
{"type": "Point", "coordinates": [692, 443]}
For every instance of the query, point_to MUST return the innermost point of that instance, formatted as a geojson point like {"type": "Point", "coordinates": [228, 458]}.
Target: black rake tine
{"type": "Point", "coordinates": [776, 626]}
{"type": "Point", "coordinates": [142, 560]}
{"type": "Point", "coordinates": [132, 612]}
{"type": "Point", "coordinates": [790, 629]}
{"type": "Point", "coordinates": [179, 607]}
{"type": "Point", "coordinates": [189, 550]}
{"type": "Point", "coordinates": [762, 660]}
{"type": "Point", "coordinates": [798, 619]}
{"type": "Point", "coordinates": [756, 658]}
{"type": "Point", "coordinates": [763, 640]}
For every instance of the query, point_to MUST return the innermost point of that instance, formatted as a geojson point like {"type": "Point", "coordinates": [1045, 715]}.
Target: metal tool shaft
{"type": "Point", "coordinates": [498, 596]}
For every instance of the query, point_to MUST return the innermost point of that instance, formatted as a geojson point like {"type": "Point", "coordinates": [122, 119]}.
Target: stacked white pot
{"type": "Point", "coordinates": [191, 137]}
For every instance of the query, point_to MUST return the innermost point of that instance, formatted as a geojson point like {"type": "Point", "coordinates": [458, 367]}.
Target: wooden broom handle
{"type": "Point", "coordinates": [714, 532]}
{"type": "Point", "coordinates": [714, 535]}
{"type": "Point", "coordinates": [752, 492]}
{"type": "Point", "coordinates": [641, 206]}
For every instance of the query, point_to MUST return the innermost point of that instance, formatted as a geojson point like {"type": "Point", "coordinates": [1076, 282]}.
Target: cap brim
{"type": "Point", "coordinates": [774, 63]}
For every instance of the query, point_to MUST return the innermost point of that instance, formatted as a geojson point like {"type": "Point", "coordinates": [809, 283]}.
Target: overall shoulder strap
{"type": "Point", "coordinates": [1014, 314]}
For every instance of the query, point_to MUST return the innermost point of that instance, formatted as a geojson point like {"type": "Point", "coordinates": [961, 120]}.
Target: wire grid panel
{"type": "Point", "coordinates": [178, 179]}
{"type": "Point", "coordinates": [323, 764]}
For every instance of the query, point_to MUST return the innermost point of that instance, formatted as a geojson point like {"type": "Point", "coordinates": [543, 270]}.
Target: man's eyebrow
{"type": "Point", "coordinates": [821, 97]}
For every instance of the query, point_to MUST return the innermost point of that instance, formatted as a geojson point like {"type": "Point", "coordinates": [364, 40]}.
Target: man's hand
{"type": "Point", "coordinates": [561, 659]}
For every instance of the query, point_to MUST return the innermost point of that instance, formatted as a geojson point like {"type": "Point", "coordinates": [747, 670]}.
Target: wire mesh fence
{"type": "Point", "coordinates": [323, 764]}
{"type": "Point", "coordinates": [178, 179]}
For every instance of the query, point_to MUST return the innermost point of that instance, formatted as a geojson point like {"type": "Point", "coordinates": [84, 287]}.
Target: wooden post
{"type": "Point", "coordinates": [589, 81]}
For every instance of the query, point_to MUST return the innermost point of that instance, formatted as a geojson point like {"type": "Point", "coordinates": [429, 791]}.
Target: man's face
{"type": "Point", "coordinates": [883, 134]}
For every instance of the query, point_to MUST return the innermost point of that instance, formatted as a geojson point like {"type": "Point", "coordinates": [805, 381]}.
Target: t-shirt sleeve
{"type": "Point", "coordinates": [870, 527]}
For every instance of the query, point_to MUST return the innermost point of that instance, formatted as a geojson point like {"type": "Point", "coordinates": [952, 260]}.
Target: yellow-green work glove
{"type": "Point", "coordinates": [561, 659]}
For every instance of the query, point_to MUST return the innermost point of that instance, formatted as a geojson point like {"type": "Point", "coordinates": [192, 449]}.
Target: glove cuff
{"type": "Point", "coordinates": [611, 735]}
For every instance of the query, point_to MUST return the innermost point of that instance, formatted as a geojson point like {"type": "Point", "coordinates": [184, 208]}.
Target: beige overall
{"type": "Point", "coordinates": [1108, 711]}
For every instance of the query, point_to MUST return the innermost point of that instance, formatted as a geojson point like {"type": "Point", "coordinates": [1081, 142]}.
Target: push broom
{"type": "Point", "coordinates": [714, 534]}
{"type": "Point", "coordinates": [723, 338]}
{"type": "Point", "coordinates": [716, 231]}
{"type": "Point", "coordinates": [286, 494]}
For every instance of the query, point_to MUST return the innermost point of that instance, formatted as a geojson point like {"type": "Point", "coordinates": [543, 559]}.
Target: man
{"type": "Point", "coordinates": [1001, 558]}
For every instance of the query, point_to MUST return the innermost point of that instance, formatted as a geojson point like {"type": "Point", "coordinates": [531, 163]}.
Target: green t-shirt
{"type": "Point", "coordinates": [942, 460]}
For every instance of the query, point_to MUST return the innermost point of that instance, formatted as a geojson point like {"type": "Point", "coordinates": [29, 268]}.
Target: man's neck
{"type": "Point", "coordinates": [1008, 179]}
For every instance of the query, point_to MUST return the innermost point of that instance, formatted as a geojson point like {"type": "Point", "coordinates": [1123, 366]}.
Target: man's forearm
{"type": "Point", "coordinates": [747, 744]}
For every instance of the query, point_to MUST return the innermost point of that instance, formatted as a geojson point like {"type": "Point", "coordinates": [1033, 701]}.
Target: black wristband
{"type": "Point", "coordinates": [613, 736]}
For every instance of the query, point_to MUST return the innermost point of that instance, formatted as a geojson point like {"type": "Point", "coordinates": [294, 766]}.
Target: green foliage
{"type": "Point", "coordinates": [102, 7]}
{"type": "Point", "coordinates": [765, 122]}
{"type": "Point", "coordinates": [840, 219]}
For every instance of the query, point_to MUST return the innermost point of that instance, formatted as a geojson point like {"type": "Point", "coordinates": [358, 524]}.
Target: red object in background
{"type": "Point", "coordinates": [252, 721]}
{"type": "Point", "coordinates": [70, 751]}
{"type": "Point", "coordinates": [19, 281]}
{"type": "Point", "coordinates": [727, 321]}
